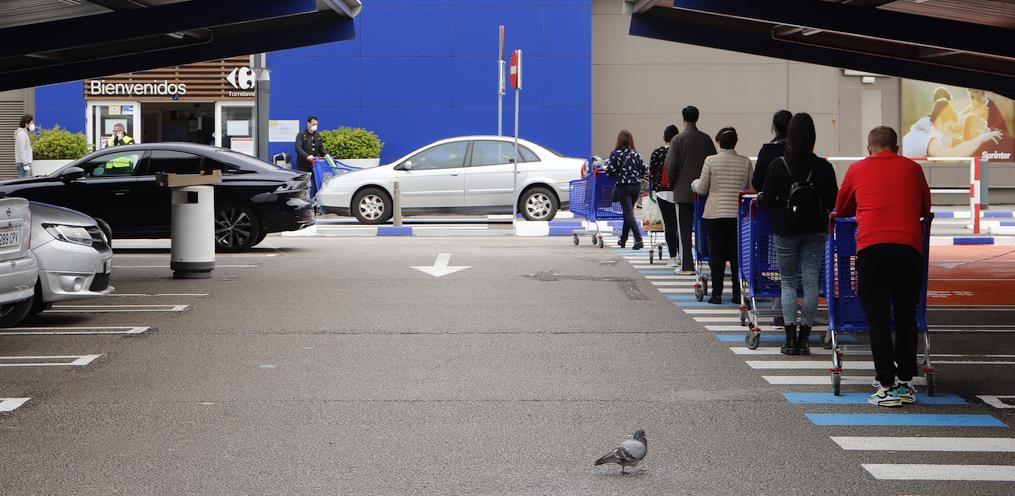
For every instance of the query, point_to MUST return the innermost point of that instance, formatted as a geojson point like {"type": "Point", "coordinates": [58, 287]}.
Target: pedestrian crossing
{"type": "Point", "coordinates": [954, 424]}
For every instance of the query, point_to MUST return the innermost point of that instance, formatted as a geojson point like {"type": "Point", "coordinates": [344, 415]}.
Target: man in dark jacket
{"type": "Point", "coordinates": [308, 146]}
{"type": "Point", "coordinates": [683, 165]}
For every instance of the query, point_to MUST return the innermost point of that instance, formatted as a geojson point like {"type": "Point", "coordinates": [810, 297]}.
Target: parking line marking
{"type": "Point", "coordinates": [79, 361]}
{"type": "Point", "coordinates": [682, 291]}
{"type": "Point", "coordinates": [217, 266]}
{"type": "Point", "coordinates": [968, 444]}
{"type": "Point", "coordinates": [861, 399]}
{"type": "Point", "coordinates": [905, 419]}
{"type": "Point", "coordinates": [159, 295]}
{"type": "Point", "coordinates": [806, 364]}
{"type": "Point", "coordinates": [11, 404]}
{"type": "Point", "coordinates": [713, 311]}
{"type": "Point", "coordinates": [116, 308]}
{"type": "Point", "coordinates": [935, 472]}
{"type": "Point", "coordinates": [719, 320]}
{"type": "Point", "coordinates": [771, 350]}
{"type": "Point", "coordinates": [825, 380]}
{"type": "Point", "coordinates": [167, 255]}
{"type": "Point", "coordinates": [71, 331]}
{"type": "Point", "coordinates": [995, 401]}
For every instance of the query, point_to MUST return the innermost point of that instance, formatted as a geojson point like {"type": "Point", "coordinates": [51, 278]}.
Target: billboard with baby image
{"type": "Point", "coordinates": [950, 121]}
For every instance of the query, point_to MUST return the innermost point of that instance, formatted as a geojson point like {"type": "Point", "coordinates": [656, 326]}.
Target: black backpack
{"type": "Point", "coordinates": [804, 208]}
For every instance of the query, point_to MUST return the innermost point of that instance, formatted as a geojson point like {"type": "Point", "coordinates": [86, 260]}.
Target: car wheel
{"type": "Point", "coordinates": [371, 206]}
{"type": "Point", "coordinates": [39, 304]}
{"type": "Point", "coordinates": [237, 227]}
{"type": "Point", "coordinates": [538, 203]}
{"type": "Point", "coordinates": [12, 314]}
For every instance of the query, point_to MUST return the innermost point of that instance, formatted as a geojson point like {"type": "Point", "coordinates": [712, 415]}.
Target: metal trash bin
{"type": "Point", "coordinates": [192, 254]}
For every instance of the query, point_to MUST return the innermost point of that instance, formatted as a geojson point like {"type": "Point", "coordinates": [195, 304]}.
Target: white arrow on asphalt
{"type": "Point", "coordinates": [440, 266]}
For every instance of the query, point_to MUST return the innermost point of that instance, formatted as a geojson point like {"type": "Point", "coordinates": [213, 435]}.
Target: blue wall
{"type": "Point", "coordinates": [422, 70]}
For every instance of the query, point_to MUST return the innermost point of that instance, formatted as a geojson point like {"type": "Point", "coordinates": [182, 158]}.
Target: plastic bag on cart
{"type": "Point", "coordinates": [651, 216]}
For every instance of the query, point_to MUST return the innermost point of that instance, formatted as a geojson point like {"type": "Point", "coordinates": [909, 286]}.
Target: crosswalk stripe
{"type": "Point", "coordinates": [773, 338]}
{"type": "Point", "coordinates": [824, 380]}
{"type": "Point", "coordinates": [11, 404]}
{"type": "Point", "coordinates": [771, 350]}
{"type": "Point", "coordinates": [705, 304]}
{"type": "Point", "coordinates": [806, 364]}
{"type": "Point", "coordinates": [715, 311]}
{"type": "Point", "coordinates": [861, 399]}
{"type": "Point", "coordinates": [670, 277]}
{"type": "Point", "coordinates": [685, 284]}
{"type": "Point", "coordinates": [971, 444]}
{"type": "Point", "coordinates": [680, 297]}
{"type": "Point", "coordinates": [681, 291]}
{"type": "Point", "coordinates": [772, 330]}
{"type": "Point", "coordinates": [717, 319]}
{"type": "Point", "coordinates": [905, 419]}
{"type": "Point", "coordinates": [935, 472]}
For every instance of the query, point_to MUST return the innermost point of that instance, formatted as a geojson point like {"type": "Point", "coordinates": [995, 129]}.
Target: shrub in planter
{"type": "Point", "coordinates": [59, 144]}
{"type": "Point", "coordinates": [351, 143]}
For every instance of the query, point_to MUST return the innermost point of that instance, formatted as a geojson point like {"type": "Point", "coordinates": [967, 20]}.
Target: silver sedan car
{"type": "Point", "coordinates": [75, 258]}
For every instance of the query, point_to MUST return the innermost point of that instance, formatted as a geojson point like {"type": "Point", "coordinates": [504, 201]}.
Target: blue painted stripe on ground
{"type": "Point", "coordinates": [1008, 223]}
{"type": "Point", "coordinates": [679, 297]}
{"type": "Point", "coordinates": [984, 240]}
{"type": "Point", "coordinates": [944, 215]}
{"type": "Point", "coordinates": [705, 304]}
{"type": "Point", "coordinates": [905, 419]}
{"type": "Point", "coordinates": [997, 214]}
{"type": "Point", "coordinates": [861, 399]}
{"type": "Point", "coordinates": [772, 337]}
{"type": "Point", "coordinates": [561, 231]}
{"type": "Point", "coordinates": [394, 231]}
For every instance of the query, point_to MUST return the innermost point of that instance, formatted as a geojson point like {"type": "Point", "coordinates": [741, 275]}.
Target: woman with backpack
{"type": "Point", "coordinates": [627, 166]}
{"type": "Point", "coordinates": [723, 176]}
{"type": "Point", "coordinates": [800, 189]}
{"type": "Point", "coordinates": [664, 193]}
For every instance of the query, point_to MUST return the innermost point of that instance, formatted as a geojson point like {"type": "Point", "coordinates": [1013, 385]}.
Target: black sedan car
{"type": "Point", "coordinates": [118, 185]}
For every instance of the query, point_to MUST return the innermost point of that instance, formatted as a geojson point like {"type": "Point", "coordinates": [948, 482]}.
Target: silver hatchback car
{"type": "Point", "coordinates": [74, 255]}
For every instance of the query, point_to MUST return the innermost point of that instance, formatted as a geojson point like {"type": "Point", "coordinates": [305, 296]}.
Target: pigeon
{"type": "Point", "coordinates": [629, 454]}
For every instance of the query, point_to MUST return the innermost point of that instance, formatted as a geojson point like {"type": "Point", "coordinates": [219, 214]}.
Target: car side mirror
{"type": "Point", "coordinates": [407, 165]}
{"type": "Point", "coordinates": [72, 174]}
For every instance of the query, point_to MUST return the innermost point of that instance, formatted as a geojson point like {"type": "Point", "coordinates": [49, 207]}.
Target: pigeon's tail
{"type": "Point", "coordinates": [610, 457]}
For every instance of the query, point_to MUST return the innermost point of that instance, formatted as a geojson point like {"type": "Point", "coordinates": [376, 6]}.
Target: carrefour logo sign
{"type": "Point", "coordinates": [155, 88]}
{"type": "Point", "coordinates": [242, 78]}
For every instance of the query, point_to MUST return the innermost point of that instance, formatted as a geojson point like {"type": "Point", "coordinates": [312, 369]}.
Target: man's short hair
{"type": "Point", "coordinates": [312, 118]}
{"type": "Point", "coordinates": [118, 126]}
{"type": "Point", "coordinates": [883, 137]}
{"type": "Point", "coordinates": [690, 114]}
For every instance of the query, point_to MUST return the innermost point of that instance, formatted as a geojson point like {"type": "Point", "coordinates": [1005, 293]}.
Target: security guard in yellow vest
{"type": "Point", "coordinates": [119, 165]}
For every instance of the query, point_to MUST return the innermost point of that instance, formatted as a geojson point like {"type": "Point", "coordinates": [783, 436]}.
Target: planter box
{"type": "Point", "coordinates": [47, 167]}
{"type": "Point", "coordinates": [362, 162]}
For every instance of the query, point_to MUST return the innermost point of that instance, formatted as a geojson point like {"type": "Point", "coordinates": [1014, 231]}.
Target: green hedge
{"type": "Point", "coordinates": [59, 144]}
{"type": "Point", "coordinates": [351, 143]}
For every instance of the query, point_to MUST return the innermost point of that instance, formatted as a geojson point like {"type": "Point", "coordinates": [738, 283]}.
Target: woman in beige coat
{"type": "Point", "coordinates": [723, 176]}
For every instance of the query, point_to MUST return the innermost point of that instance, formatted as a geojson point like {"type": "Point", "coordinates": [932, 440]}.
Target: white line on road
{"type": "Point", "coordinates": [824, 380]}
{"type": "Point", "coordinates": [217, 266]}
{"type": "Point", "coordinates": [995, 401]}
{"type": "Point", "coordinates": [719, 320]}
{"type": "Point", "coordinates": [770, 350]}
{"type": "Point", "coordinates": [160, 295]}
{"type": "Point", "coordinates": [675, 290]}
{"type": "Point", "coordinates": [116, 308]}
{"type": "Point", "coordinates": [712, 311]}
{"type": "Point", "coordinates": [898, 471]}
{"type": "Point", "coordinates": [79, 361]}
{"type": "Point", "coordinates": [11, 404]}
{"type": "Point", "coordinates": [738, 328]}
{"type": "Point", "coordinates": [976, 444]}
{"type": "Point", "coordinates": [53, 331]}
{"type": "Point", "coordinates": [670, 278]}
{"type": "Point", "coordinates": [685, 284]}
{"type": "Point", "coordinates": [806, 364]}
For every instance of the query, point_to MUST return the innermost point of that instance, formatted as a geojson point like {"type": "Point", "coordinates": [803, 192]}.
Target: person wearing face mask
{"type": "Point", "coordinates": [23, 146]}
{"type": "Point", "coordinates": [119, 137]}
{"type": "Point", "coordinates": [309, 146]}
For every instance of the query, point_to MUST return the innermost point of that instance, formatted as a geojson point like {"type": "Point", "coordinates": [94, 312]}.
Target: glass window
{"type": "Point", "coordinates": [499, 152]}
{"type": "Point", "coordinates": [173, 162]}
{"type": "Point", "coordinates": [113, 164]}
{"type": "Point", "coordinates": [446, 156]}
{"type": "Point", "coordinates": [237, 122]}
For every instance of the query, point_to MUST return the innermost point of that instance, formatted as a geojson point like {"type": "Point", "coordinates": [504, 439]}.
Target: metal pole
{"type": "Point", "coordinates": [514, 177]}
{"type": "Point", "coordinates": [261, 105]}
{"type": "Point", "coordinates": [397, 206]}
{"type": "Point", "coordinates": [500, 85]}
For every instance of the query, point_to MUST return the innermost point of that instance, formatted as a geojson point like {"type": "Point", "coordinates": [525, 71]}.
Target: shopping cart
{"type": "Point", "coordinates": [325, 168]}
{"type": "Point", "coordinates": [700, 251]}
{"type": "Point", "coordinates": [591, 198]}
{"type": "Point", "coordinates": [845, 313]}
{"type": "Point", "coordinates": [654, 231]}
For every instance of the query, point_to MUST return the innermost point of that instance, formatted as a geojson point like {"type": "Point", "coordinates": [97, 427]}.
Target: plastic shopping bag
{"type": "Point", "coordinates": [651, 216]}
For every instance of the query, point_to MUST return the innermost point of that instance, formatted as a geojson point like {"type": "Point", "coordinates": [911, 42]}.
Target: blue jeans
{"type": "Point", "coordinates": [801, 259]}
{"type": "Point", "coordinates": [24, 170]}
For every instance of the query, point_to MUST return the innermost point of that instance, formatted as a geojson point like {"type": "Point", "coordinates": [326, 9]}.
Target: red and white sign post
{"type": "Point", "coordinates": [516, 83]}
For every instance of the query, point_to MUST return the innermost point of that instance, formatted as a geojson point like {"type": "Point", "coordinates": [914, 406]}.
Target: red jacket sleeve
{"type": "Point", "coordinates": [845, 203]}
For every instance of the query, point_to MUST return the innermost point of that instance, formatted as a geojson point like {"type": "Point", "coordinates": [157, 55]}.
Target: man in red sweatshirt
{"type": "Point", "coordinates": [889, 195]}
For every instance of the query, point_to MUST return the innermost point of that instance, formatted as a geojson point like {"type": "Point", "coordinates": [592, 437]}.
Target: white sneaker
{"type": "Point", "coordinates": [673, 262]}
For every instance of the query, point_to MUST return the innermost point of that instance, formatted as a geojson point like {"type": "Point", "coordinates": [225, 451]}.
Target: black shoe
{"type": "Point", "coordinates": [790, 347]}
{"type": "Point", "coordinates": [621, 243]}
{"type": "Point", "coordinates": [779, 322]}
{"type": "Point", "coordinates": [715, 299]}
{"type": "Point", "coordinates": [638, 245]}
{"type": "Point", "coordinates": [802, 346]}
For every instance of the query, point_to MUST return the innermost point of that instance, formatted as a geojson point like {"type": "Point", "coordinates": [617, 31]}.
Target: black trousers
{"type": "Point", "coordinates": [627, 195]}
{"type": "Point", "coordinates": [669, 211]}
{"type": "Point", "coordinates": [722, 248]}
{"type": "Point", "coordinates": [890, 278]}
{"type": "Point", "coordinates": [685, 226]}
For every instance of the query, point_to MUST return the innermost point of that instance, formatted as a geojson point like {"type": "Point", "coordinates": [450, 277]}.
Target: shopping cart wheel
{"type": "Point", "coordinates": [836, 383]}
{"type": "Point", "coordinates": [660, 252]}
{"type": "Point", "coordinates": [931, 386]}
{"type": "Point", "coordinates": [826, 340]}
{"type": "Point", "coordinates": [743, 316]}
{"type": "Point", "coordinates": [753, 339]}
{"type": "Point", "coordinates": [699, 293]}
{"type": "Point", "coordinates": [600, 237]}
{"type": "Point", "coordinates": [651, 257]}
{"type": "Point", "coordinates": [574, 237]}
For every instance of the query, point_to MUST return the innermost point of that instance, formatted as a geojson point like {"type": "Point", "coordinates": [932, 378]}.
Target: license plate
{"type": "Point", "coordinates": [108, 266]}
{"type": "Point", "coordinates": [9, 238]}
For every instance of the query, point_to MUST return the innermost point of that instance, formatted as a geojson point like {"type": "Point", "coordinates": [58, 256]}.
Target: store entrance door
{"type": "Point", "coordinates": [101, 118]}
{"type": "Point", "coordinates": [190, 122]}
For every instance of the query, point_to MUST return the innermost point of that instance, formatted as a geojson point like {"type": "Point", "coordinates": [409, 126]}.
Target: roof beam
{"type": "Point", "coordinates": [861, 21]}
{"type": "Point", "coordinates": [143, 22]}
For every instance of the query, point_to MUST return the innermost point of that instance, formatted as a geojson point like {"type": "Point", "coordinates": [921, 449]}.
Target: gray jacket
{"type": "Point", "coordinates": [724, 175]}
{"type": "Point", "coordinates": [22, 147]}
{"type": "Point", "coordinates": [684, 160]}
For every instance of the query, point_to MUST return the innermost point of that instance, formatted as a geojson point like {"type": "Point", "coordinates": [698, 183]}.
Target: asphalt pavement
{"type": "Point", "coordinates": [331, 366]}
